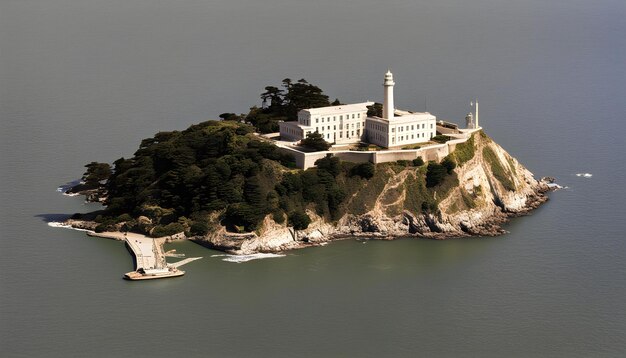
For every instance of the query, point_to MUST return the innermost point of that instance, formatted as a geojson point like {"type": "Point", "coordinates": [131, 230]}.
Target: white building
{"type": "Point", "coordinates": [349, 123]}
{"type": "Point", "coordinates": [337, 124]}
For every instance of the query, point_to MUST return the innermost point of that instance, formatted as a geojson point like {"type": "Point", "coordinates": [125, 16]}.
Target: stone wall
{"type": "Point", "coordinates": [433, 152]}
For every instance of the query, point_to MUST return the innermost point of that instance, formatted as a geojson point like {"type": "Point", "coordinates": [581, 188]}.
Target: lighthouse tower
{"type": "Point", "coordinates": [388, 108]}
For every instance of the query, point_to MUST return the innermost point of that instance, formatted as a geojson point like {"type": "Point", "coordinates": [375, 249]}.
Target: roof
{"type": "Point", "coordinates": [405, 116]}
{"type": "Point", "coordinates": [344, 108]}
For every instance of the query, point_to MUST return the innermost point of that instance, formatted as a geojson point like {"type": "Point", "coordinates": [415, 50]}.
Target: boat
{"type": "Point", "coordinates": [154, 273]}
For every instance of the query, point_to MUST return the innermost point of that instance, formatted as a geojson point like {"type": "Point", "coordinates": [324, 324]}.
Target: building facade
{"type": "Point", "coordinates": [346, 124]}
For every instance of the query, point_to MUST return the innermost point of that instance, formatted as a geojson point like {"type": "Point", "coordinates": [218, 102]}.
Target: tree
{"type": "Point", "coordinates": [418, 162]}
{"type": "Point", "coordinates": [231, 117]}
{"type": "Point", "coordinates": [330, 164]}
{"type": "Point", "coordinates": [435, 174]}
{"type": "Point", "coordinates": [375, 110]}
{"type": "Point", "coordinates": [274, 96]}
{"type": "Point", "coordinates": [449, 164]}
{"type": "Point", "coordinates": [301, 95]}
{"type": "Point", "coordinates": [315, 141]}
{"type": "Point", "coordinates": [96, 172]}
{"type": "Point", "coordinates": [299, 220]}
{"type": "Point", "coordinates": [364, 170]}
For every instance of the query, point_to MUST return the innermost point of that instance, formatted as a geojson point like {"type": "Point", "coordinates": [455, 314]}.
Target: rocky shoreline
{"type": "Point", "coordinates": [492, 188]}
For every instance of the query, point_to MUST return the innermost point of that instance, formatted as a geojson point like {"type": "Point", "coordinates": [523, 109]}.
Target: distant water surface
{"type": "Point", "coordinates": [86, 80]}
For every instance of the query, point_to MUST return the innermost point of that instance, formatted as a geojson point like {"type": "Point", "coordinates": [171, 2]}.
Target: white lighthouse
{"type": "Point", "coordinates": [388, 108]}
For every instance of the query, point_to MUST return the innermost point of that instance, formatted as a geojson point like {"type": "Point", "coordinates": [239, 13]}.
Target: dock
{"type": "Point", "coordinates": [150, 262]}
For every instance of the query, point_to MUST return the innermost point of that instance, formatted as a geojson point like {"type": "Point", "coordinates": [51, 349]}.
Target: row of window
{"type": "Point", "coordinates": [423, 135]}
{"type": "Point", "coordinates": [293, 131]}
{"type": "Point", "coordinates": [334, 118]}
{"type": "Point", "coordinates": [406, 128]}
{"type": "Point", "coordinates": [349, 134]}
{"type": "Point", "coordinates": [348, 126]}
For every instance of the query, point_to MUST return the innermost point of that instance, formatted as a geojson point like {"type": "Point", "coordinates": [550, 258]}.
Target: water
{"type": "Point", "coordinates": [85, 80]}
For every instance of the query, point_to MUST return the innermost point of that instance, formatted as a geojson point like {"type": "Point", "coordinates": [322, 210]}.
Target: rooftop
{"type": "Point", "coordinates": [339, 109]}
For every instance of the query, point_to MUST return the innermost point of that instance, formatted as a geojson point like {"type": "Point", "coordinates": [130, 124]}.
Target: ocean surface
{"type": "Point", "coordinates": [86, 80]}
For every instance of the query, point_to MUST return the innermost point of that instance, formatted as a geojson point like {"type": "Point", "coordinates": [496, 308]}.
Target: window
{"type": "Point", "coordinates": [401, 138]}
{"type": "Point", "coordinates": [341, 118]}
{"type": "Point", "coordinates": [352, 132]}
{"type": "Point", "coordinates": [393, 130]}
{"type": "Point", "coordinates": [358, 115]}
{"type": "Point", "coordinates": [412, 127]}
{"type": "Point", "coordinates": [431, 126]}
{"type": "Point", "coordinates": [328, 127]}
{"type": "Point", "coordinates": [335, 127]}
{"type": "Point", "coordinates": [340, 134]}
{"type": "Point", "coordinates": [317, 120]}
{"type": "Point", "coordinates": [358, 125]}
{"type": "Point", "coordinates": [316, 130]}
{"type": "Point", "coordinates": [412, 136]}
{"type": "Point", "coordinates": [423, 125]}
{"type": "Point", "coordinates": [334, 118]}
{"type": "Point", "coordinates": [358, 132]}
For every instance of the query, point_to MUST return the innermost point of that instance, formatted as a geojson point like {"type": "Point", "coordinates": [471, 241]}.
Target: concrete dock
{"type": "Point", "coordinates": [150, 260]}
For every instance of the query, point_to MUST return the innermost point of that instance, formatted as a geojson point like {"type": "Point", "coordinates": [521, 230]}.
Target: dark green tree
{"type": "Point", "coordinates": [364, 170]}
{"type": "Point", "coordinates": [375, 110]}
{"type": "Point", "coordinates": [315, 142]}
{"type": "Point", "coordinates": [96, 173]}
{"type": "Point", "coordinates": [299, 220]}
{"type": "Point", "coordinates": [449, 164]}
{"type": "Point", "coordinates": [435, 174]}
{"type": "Point", "coordinates": [418, 162]}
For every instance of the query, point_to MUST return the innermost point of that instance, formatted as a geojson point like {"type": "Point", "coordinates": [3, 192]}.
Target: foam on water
{"type": "Point", "coordinates": [584, 175]}
{"type": "Point", "coordinates": [67, 186]}
{"type": "Point", "coordinates": [245, 258]}
{"type": "Point", "coordinates": [64, 226]}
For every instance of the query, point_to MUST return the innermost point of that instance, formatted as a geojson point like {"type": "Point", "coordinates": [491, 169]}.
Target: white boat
{"type": "Point", "coordinates": [154, 273]}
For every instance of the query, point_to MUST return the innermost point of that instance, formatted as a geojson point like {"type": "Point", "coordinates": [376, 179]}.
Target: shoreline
{"type": "Point", "coordinates": [490, 228]}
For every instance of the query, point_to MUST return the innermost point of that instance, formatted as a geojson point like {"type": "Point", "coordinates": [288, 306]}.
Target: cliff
{"type": "Point", "coordinates": [484, 190]}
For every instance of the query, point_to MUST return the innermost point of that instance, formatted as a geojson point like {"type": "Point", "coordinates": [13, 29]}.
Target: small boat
{"type": "Point", "coordinates": [151, 274]}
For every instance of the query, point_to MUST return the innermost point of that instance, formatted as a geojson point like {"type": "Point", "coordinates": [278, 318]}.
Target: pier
{"type": "Point", "coordinates": [150, 262]}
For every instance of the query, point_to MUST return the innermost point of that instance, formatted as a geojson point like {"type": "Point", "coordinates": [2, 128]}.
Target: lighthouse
{"type": "Point", "coordinates": [388, 109]}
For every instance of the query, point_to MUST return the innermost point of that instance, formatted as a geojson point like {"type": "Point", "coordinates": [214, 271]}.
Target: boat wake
{"type": "Point", "coordinates": [245, 258]}
{"type": "Point", "coordinates": [584, 175]}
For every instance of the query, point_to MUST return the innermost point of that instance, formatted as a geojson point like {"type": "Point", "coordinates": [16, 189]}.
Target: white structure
{"type": "Point", "coordinates": [388, 107]}
{"type": "Point", "coordinates": [349, 123]}
{"type": "Point", "coordinates": [337, 124]}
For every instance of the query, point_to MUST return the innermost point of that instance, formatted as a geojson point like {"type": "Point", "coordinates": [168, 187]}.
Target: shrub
{"type": "Point", "coordinates": [449, 164]}
{"type": "Point", "coordinates": [441, 138]}
{"type": "Point", "coordinates": [418, 162]}
{"type": "Point", "coordinates": [278, 216]}
{"type": "Point", "coordinates": [167, 230]}
{"type": "Point", "coordinates": [498, 170]}
{"type": "Point", "coordinates": [402, 162]}
{"type": "Point", "coordinates": [364, 170]}
{"type": "Point", "coordinates": [315, 141]}
{"type": "Point", "coordinates": [463, 152]}
{"type": "Point", "coordinates": [299, 220]}
{"type": "Point", "coordinates": [199, 228]}
{"type": "Point", "coordinates": [435, 174]}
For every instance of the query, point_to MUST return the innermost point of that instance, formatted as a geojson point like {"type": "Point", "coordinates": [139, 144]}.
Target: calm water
{"type": "Point", "coordinates": [84, 80]}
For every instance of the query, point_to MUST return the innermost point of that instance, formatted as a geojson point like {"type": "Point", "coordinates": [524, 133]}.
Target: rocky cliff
{"type": "Point", "coordinates": [487, 187]}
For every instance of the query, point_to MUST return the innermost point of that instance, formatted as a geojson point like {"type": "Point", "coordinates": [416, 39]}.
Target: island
{"type": "Point", "coordinates": [300, 171]}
